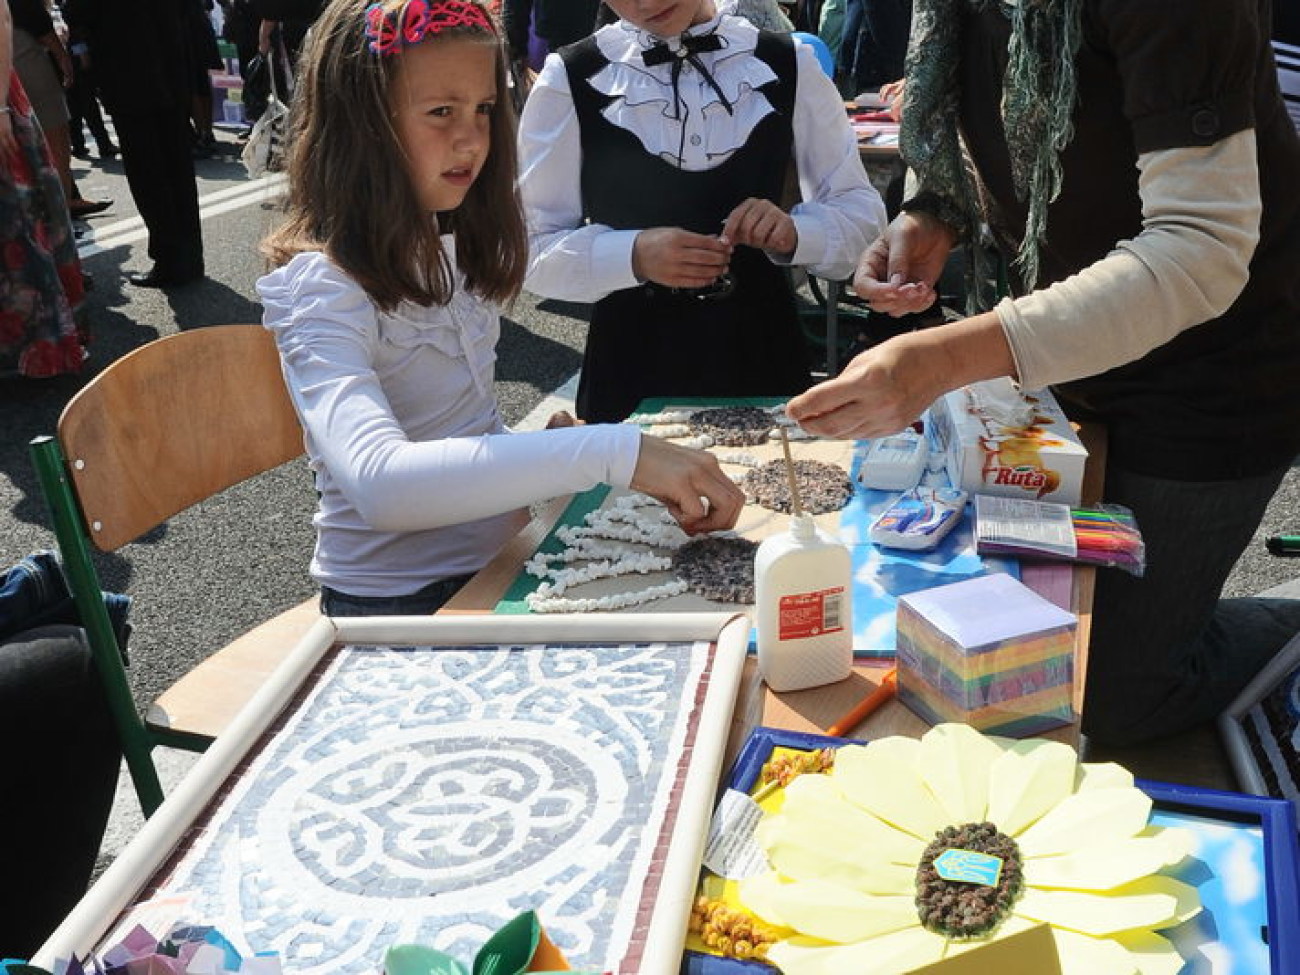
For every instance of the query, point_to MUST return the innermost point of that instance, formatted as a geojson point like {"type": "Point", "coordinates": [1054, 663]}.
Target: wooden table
{"type": "Point", "coordinates": [817, 709]}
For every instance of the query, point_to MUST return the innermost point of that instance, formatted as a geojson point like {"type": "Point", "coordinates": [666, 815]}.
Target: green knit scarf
{"type": "Point", "coordinates": [1038, 95]}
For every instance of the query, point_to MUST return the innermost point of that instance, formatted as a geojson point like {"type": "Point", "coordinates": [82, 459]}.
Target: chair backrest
{"type": "Point", "coordinates": [174, 422]}
{"type": "Point", "coordinates": [164, 427]}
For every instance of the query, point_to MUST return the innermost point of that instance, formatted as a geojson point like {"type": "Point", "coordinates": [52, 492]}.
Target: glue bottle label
{"type": "Point", "coordinates": [809, 614]}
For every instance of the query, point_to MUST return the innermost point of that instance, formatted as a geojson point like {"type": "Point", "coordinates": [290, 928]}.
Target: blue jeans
{"type": "Point", "coordinates": [1167, 653]}
{"type": "Point", "coordinates": [421, 603]}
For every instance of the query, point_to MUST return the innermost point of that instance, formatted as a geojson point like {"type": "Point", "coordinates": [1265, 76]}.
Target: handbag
{"type": "Point", "coordinates": [265, 150]}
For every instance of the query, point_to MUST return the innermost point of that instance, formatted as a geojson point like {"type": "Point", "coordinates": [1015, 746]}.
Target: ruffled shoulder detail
{"type": "Point", "coordinates": [312, 287]}
{"type": "Point", "coordinates": [643, 102]}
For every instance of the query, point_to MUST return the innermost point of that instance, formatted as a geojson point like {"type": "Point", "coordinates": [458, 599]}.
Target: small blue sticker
{"type": "Point", "coordinates": [969, 867]}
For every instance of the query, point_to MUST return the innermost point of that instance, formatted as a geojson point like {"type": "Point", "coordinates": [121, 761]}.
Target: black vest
{"type": "Point", "coordinates": [649, 341]}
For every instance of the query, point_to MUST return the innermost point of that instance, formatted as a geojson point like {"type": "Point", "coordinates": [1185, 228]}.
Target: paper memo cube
{"type": "Point", "coordinates": [989, 652]}
{"type": "Point", "coordinates": [1041, 460]}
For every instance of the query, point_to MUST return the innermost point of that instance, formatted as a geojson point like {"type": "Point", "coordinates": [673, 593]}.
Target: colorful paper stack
{"type": "Point", "coordinates": [989, 652]}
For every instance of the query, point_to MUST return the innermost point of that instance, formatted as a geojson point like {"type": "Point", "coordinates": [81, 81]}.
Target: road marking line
{"type": "Point", "coordinates": [131, 229]}
{"type": "Point", "coordinates": [561, 399]}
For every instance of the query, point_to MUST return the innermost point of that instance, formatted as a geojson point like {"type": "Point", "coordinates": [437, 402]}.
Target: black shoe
{"type": "Point", "coordinates": [155, 278]}
{"type": "Point", "coordinates": [84, 208]}
{"type": "Point", "coordinates": [108, 151]}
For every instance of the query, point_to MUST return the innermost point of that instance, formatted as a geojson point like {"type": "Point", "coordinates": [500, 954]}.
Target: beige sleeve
{"type": "Point", "coordinates": [1200, 225]}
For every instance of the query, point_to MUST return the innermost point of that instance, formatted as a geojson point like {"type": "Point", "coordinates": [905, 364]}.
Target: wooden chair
{"type": "Point", "coordinates": [170, 424]}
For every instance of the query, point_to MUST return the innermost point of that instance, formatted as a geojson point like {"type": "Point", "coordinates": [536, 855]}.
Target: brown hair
{"type": "Point", "coordinates": [350, 193]}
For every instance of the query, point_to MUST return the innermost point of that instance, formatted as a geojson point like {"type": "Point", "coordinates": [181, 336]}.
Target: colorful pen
{"type": "Point", "coordinates": [1284, 544]}
{"type": "Point", "coordinates": [883, 692]}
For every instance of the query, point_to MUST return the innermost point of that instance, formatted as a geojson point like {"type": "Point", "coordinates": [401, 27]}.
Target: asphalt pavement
{"type": "Point", "coordinates": [216, 571]}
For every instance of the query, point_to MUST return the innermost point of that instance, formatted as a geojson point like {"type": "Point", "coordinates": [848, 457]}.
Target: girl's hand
{"type": "Point", "coordinates": [8, 143]}
{"type": "Point", "coordinates": [677, 258]}
{"type": "Point", "coordinates": [690, 483]}
{"type": "Point", "coordinates": [897, 273]}
{"type": "Point", "coordinates": [761, 223]}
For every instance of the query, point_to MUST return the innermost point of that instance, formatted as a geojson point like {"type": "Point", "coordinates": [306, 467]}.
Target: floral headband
{"type": "Point", "coordinates": [417, 20]}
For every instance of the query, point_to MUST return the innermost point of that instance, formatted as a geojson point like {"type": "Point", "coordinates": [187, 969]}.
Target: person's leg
{"type": "Point", "coordinates": [1166, 653]}
{"type": "Point", "coordinates": [60, 757]}
{"type": "Point", "coordinates": [883, 44]}
{"type": "Point", "coordinates": [160, 171]}
{"type": "Point", "coordinates": [855, 12]}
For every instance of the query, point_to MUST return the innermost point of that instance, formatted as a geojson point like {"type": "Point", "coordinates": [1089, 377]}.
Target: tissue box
{"type": "Point", "coordinates": [988, 450]}
{"type": "Point", "coordinates": [989, 652]}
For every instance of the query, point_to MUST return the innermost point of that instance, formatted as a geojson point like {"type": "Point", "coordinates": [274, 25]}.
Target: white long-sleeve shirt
{"type": "Point", "coordinates": [840, 214]}
{"type": "Point", "coordinates": [418, 477]}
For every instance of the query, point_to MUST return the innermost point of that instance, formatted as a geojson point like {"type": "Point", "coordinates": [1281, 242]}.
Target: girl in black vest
{"type": "Point", "coordinates": [653, 158]}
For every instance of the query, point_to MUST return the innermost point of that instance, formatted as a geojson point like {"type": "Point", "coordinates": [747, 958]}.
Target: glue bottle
{"type": "Point", "coordinates": [803, 601]}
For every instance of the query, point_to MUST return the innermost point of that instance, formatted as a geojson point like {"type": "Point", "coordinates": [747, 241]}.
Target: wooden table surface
{"type": "Point", "coordinates": [816, 709]}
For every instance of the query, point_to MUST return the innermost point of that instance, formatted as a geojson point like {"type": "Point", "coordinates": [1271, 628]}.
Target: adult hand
{"type": "Point", "coordinates": [891, 94]}
{"type": "Point", "coordinates": [690, 483]}
{"type": "Point", "coordinates": [879, 392]}
{"type": "Point", "coordinates": [761, 223]}
{"type": "Point", "coordinates": [562, 418]}
{"type": "Point", "coordinates": [897, 273]}
{"type": "Point", "coordinates": [677, 258]}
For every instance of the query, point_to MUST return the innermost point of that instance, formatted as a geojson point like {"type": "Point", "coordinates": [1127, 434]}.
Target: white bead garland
{"type": "Point", "coordinates": [606, 543]}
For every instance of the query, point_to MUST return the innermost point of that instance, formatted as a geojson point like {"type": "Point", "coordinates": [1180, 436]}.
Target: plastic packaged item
{"type": "Point", "coordinates": [1105, 535]}
{"type": "Point", "coordinates": [920, 518]}
{"type": "Point", "coordinates": [803, 604]}
{"type": "Point", "coordinates": [895, 463]}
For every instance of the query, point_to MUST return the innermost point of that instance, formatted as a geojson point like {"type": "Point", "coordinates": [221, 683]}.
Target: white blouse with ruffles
{"type": "Point", "coordinates": [840, 214]}
{"type": "Point", "coordinates": [419, 479]}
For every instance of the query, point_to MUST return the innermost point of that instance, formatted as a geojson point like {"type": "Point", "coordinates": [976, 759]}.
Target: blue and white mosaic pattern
{"type": "Point", "coordinates": [430, 795]}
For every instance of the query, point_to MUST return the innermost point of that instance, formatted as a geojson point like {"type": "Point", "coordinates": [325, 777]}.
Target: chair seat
{"type": "Point", "coordinates": [203, 702]}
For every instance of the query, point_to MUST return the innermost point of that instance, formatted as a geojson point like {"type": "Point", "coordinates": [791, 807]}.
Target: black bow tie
{"type": "Point", "coordinates": [689, 50]}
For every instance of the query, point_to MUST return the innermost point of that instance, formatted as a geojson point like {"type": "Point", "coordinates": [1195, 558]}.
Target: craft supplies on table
{"type": "Point", "coordinates": [423, 780]}
{"type": "Point", "coordinates": [880, 576]}
{"type": "Point", "coordinates": [1104, 535]}
{"type": "Point", "coordinates": [1000, 440]}
{"type": "Point", "coordinates": [989, 652]}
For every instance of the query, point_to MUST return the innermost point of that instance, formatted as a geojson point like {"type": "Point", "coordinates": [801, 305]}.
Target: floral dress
{"type": "Point", "coordinates": [40, 275]}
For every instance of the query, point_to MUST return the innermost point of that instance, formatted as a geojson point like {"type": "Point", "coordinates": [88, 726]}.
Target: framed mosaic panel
{"type": "Point", "coordinates": [426, 780]}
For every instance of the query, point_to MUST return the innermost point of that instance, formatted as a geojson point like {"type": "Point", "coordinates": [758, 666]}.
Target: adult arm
{"type": "Point", "coordinates": [1200, 225]}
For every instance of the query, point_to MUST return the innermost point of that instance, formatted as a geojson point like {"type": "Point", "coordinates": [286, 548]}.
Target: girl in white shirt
{"type": "Point", "coordinates": [404, 232]}
{"type": "Point", "coordinates": [653, 162]}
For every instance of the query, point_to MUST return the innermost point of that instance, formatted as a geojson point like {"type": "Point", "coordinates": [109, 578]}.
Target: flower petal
{"type": "Point", "coordinates": [1153, 954]}
{"type": "Point", "coordinates": [1088, 817]}
{"type": "Point", "coordinates": [1102, 775]}
{"type": "Point", "coordinates": [817, 806]}
{"type": "Point", "coordinates": [1108, 864]}
{"type": "Point", "coordinates": [1152, 902]}
{"type": "Point", "coordinates": [827, 911]}
{"type": "Point", "coordinates": [891, 954]}
{"type": "Point", "coordinates": [1081, 955]}
{"type": "Point", "coordinates": [1026, 780]}
{"type": "Point", "coordinates": [884, 779]}
{"type": "Point", "coordinates": [800, 853]}
{"type": "Point", "coordinates": [955, 761]}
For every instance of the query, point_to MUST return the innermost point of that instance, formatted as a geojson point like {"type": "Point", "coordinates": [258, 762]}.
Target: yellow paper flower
{"type": "Point", "coordinates": [852, 855]}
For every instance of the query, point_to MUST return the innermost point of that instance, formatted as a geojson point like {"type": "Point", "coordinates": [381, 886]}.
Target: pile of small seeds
{"type": "Point", "coordinates": [957, 909]}
{"type": "Point", "coordinates": [822, 487]}
{"type": "Point", "coordinates": [733, 426]}
{"type": "Point", "coordinates": [784, 768]}
{"type": "Point", "coordinates": [728, 931]}
{"type": "Point", "coordinates": [718, 567]}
